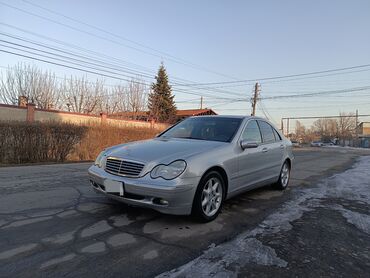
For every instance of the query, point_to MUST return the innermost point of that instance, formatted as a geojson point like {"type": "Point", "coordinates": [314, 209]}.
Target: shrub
{"type": "Point", "coordinates": [22, 142]}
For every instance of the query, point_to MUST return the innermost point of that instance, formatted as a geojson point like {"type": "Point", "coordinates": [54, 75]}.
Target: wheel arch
{"type": "Point", "coordinates": [289, 162]}
{"type": "Point", "coordinates": [223, 174]}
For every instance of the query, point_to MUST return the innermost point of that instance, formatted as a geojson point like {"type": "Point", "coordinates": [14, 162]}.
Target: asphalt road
{"type": "Point", "coordinates": [52, 224]}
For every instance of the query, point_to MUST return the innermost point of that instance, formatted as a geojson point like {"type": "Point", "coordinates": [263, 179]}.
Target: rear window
{"type": "Point", "coordinates": [267, 132]}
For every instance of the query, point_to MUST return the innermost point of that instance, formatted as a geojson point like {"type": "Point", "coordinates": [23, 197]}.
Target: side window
{"type": "Point", "coordinates": [252, 133]}
{"type": "Point", "coordinates": [267, 132]}
{"type": "Point", "coordinates": [277, 135]}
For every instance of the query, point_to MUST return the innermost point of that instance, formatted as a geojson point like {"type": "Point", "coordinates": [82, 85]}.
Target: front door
{"type": "Point", "coordinates": [251, 164]}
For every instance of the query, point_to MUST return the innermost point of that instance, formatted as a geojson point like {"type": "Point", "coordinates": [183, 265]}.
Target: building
{"type": "Point", "coordinates": [364, 134]}
{"type": "Point", "coordinates": [364, 128]}
{"type": "Point", "coordinates": [180, 114]}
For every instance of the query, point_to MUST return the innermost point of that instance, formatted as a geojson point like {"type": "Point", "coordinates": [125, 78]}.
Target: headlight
{"type": "Point", "coordinates": [170, 171]}
{"type": "Point", "coordinates": [99, 161]}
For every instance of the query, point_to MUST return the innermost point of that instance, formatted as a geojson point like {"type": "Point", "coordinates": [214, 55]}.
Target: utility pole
{"type": "Point", "coordinates": [254, 99]}
{"type": "Point", "coordinates": [357, 128]}
{"type": "Point", "coordinates": [287, 128]}
{"type": "Point", "coordinates": [201, 102]}
{"type": "Point", "coordinates": [282, 125]}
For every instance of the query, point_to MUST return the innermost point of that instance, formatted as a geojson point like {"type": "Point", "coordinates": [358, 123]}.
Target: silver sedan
{"type": "Point", "coordinates": [195, 165]}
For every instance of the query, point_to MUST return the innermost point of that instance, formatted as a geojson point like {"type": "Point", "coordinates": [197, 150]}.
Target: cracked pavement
{"type": "Point", "coordinates": [53, 224]}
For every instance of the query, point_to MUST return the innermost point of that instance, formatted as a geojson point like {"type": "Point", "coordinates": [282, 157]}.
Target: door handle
{"type": "Point", "coordinates": [264, 150]}
{"type": "Point", "coordinates": [281, 146]}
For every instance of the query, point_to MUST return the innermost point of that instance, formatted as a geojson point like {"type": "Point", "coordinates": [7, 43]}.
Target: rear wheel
{"type": "Point", "coordinates": [209, 197]}
{"type": "Point", "coordinates": [284, 177]}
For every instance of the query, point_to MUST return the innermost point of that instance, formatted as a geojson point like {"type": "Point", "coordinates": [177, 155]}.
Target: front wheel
{"type": "Point", "coordinates": [284, 177]}
{"type": "Point", "coordinates": [209, 197]}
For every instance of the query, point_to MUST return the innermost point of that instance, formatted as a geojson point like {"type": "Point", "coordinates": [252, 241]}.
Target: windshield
{"type": "Point", "coordinates": [205, 128]}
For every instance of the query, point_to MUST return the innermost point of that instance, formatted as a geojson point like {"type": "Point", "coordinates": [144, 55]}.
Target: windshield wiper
{"type": "Point", "coordinates": [189, 137]}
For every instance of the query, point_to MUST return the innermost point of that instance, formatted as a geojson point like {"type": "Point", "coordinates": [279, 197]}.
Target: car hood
{"type": "Point", "coordinates": [161, 150]}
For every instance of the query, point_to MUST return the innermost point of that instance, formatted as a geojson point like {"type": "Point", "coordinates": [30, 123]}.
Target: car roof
{"type": "Point", "coordinates": [229, 116]}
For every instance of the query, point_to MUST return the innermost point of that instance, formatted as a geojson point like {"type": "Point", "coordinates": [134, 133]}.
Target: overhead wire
{"type": "Point", "coordinates": [175, 60]}
{"type": "Point", "coordinates": [124, 69]}
{"type": "Point", "coordinates": [283, 76]}
{"type": "Point", "coordinates": [273, 79]}
{"type": "Point", "coordinates": [94, 68]}
{"type": "Point", "coordinates": [104, 74]}
{"type": "Point", "coordinates": [341, 91]}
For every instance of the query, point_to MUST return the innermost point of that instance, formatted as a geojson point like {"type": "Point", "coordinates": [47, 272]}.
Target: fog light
{"type": "Point", "coordinates": [160, 201]}
{"type": "Point", "coordinates": [93, 184]}
{"type": "Point", "coordinates": [163, 202]}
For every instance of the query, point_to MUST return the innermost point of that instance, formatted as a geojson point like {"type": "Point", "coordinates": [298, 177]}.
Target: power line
{"type": "Point", "coordinates": [123, 38]}
{"type": "Point", "coordinates": [93, 71]}
{"type": "Point", "coordinates": [101, 29]}
{"type": "Point", "coordinates": [300, 108]}
{"type": "Point", "coordinates": [110, 64]}
{"type": "Point", "coordinates": [79, 48]}
{"type": "Point", "coordinates": [282, 76]}
{"type": "Point", "coordinates": [324, 117]}
{"type": "Point", "coordinates": [70, 62]}
{"type": "Point", "coordinates": [66, 66]}
{"type": "Point", "coordinates": [236, 100]}
{"type": "Point", "coordinates": [290, 80]}
{"type": "Point", "coordinates": [190, 84]}
{"type": "Point", "coordinates": [320, 93]}
{"type": "Point", "coordinates": [124, 69]}
{"type": "Point", "coordinates": [144, 74]}
{"type": "Point", "coordinates": [175, 60]}
{"type": "Point", "coordinates": [91, 68]}
{"type": "Point", "coordinates": [104, 85]}
{"type": "Point", "coordinates": [63, 58]}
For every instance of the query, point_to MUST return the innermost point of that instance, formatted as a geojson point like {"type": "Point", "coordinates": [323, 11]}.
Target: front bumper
{"type": "Point", "coordinates": [147, 192]}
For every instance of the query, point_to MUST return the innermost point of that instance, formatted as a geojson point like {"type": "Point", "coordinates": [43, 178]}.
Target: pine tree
{"type": "Point", "coordinates": [161, 104]}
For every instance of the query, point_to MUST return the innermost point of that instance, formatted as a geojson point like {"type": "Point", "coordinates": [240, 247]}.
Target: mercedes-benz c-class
{"type": "Point", "coordinates": [195, 165]}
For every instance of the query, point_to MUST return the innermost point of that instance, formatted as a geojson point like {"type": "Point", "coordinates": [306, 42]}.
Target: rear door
{"type": "Point", "coordinates": [272, 149]}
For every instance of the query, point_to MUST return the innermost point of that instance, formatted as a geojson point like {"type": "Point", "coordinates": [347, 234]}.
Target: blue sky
{"type": "Point", "coordinates": [238, 39]}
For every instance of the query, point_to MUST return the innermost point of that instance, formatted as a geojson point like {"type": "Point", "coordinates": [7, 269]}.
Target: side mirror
{"type": "Point", "coordinates": [248, 144]}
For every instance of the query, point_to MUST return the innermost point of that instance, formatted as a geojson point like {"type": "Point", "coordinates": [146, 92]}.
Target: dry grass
{"type": "Point", "coordinates": [99, 137]}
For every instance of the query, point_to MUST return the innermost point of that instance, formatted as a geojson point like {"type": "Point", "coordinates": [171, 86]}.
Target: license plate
{"type": "Point", "coordinates": [112, 186]}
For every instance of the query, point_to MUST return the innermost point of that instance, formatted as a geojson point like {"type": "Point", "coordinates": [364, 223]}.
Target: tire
{"type": "Point", "coordinates": [211, 188]}
{"type": "Point", "coordinates": [284, 177]}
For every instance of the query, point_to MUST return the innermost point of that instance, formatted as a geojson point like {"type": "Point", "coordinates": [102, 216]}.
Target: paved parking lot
{"type": "Point", "coordinates": [53, 224]}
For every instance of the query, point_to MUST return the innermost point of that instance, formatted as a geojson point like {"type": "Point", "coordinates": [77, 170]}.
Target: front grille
{"type": "Point", "coordinates": [121, 167]}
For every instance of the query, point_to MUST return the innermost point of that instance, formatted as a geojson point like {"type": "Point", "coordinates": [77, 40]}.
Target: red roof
{"type": "Point", "coordinates": [179, 113]}
{"type": "Point", "coordinates": [195, 112]}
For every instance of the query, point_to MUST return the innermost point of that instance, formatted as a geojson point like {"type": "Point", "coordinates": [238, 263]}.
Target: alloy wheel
{"type": "Point", "coordinates": [284, 176]}
{"type": "Point", "coordinates": [211, 196]}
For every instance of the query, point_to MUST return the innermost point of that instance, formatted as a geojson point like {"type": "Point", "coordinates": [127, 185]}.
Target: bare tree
{"type": "Point", "coordinates": [37, 86]}
{"type": "Point", "coordinates": [346, 125]}
{"type": "Point", "coordinates": [136, 96]}
{"type": "Point", "coordinates": [127, 98]}
{"type": "Point", "coordinates": [75, 94]}
{"type": "Point", "coordinates": [327, 128]}
{"type": "Point", "coordinates": [300, 130]}
{"type": "Point", "coordinates": [82, 96]}
{"type": "Point", "coordinates": [120, 93]}
{"type": "Point", "coordinates": [109, 101]}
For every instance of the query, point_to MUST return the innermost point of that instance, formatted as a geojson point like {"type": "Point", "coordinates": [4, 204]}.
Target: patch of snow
{"type": "Point", "coordinates": [352, 184]}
